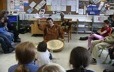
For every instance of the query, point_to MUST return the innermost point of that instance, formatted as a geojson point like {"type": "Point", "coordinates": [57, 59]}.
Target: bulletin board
{"type": "Point", "coordinates": [68, 8]}
{"type": "Point", "coordinates": [27, 8]}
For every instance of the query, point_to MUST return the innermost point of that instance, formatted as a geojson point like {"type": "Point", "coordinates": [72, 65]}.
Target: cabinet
{"type": "Point", "coordinates": [3, 4]}
{"type": "Point", "coordinates": [35, 29]}
{"type": "Point", "coordinates": [84, 27]}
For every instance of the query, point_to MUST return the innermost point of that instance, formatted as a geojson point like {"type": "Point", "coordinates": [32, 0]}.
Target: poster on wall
{"type": "Point", "coordinates": [32, 4]}
{"type": "Point", "coordinates": [48, 8]}
{"type": "Point", "coordinates": [30, 10]}
{"type": "Point", "coordinates": [40, 5]}
{"type": "Point", "coordinates": [48, 2]}
{"type": "Point", "coordinates": [15, 5]}
{"type": "Point", "coordinates": [11, 4]}
{"type": "Point", "coordinates": [63, 2]}
{"type": "Point", "coordinates": [63, 7]}
{"type": "Point", "coordinates": [26, 2]}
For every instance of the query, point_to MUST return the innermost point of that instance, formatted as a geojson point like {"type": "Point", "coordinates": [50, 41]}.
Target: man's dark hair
{"type": "Point", "coordinates": [42, 46]}
{"type": "Point", "coordinates": [49, 19]}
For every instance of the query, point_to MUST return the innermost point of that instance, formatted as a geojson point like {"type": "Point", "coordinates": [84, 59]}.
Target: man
{"type": "Point", "coordinates": [52, 31]}
{"type": "Point", "coordinates": [101, 44]}
{"type": "Point", "coordinates": [103, 32]}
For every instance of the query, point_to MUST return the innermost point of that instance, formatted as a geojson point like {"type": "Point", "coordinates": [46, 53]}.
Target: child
{"type": "Point", "coordinates": [79, 59]}
{"type": "Point", "coordinates": [25, 55]}
{"type": "Point", "coordinates": [43, 56]}
{"type": "Point", "coordinates": [51, 67]}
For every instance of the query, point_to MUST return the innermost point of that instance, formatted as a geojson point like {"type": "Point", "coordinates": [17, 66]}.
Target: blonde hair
{"type": "Point", "coordinates": [51, 67]}
{"type": "Point", "coordinates": [25, 53]}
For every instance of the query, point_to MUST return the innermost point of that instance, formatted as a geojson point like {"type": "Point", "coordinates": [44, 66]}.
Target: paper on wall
{"type": "Point", "coordinates": [77, 6]}
{"type": "Point", "coordinates": [49, 8]}
{"type": "Point", "coordinates": [73, 7]}
{"type": "Point", "coordinates": [71, 2]}
{"type": "Point", "coordinates": [54, 7]}
{"type": "Point", "coordinates": [37, 7]}
{"type": "Point", "coordinates": [54, 2]}
{"type": "Point", "coordinates": [48, 2]}
{"type": "Point", "coordinates": [25, 1]}
{"type": "Point", "coordinates": [63, 2]}
{"type": "Point", "coordinates": [32, 4]}
{"type": "Point", "coordinates": [81, 11]}
{"type": "Point", "coordinates": [58, 8]}
{"type": "Point", "coordinates": [63, 7]}
{"type": "Point", "coordinates": [30, 10]}
{"type": "Point", "coordinates": [40, 5]}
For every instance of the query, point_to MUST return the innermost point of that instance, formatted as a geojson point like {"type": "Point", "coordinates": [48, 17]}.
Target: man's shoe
{"type": "Point", "coordinates": [9, 51]}
{"type": "Point", "coordinates": [113, 64]}
{"type": "Point", "coordinates": [107, 70]}
{"type": "Point", "coordinates": [93, 61]}
{"type": "Point", "coordinates": [17, 40]}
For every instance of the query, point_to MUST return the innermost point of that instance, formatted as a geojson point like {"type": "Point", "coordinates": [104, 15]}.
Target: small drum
{"type": "Point", "coordinates": [55, 45]}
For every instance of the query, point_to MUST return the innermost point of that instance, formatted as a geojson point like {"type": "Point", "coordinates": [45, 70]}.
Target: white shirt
{"type": "Point", "coordinates": [43, 58]}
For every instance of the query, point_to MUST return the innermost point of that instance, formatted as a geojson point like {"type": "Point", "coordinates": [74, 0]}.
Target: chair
{"type": "Point", "coordinates": [75, 25]}
{"type": "Point", "coordinates": [109, 46]}
{"type": "Point", "coordinates": [108, 49]}
{"type": "Point", "coordinates": [66, 25]}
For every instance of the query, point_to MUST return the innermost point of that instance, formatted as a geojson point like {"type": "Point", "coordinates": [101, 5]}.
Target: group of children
{"type": "Point", "coordinates": [32, 59]}
{"type": "Point", "coordinates": [8, 33]}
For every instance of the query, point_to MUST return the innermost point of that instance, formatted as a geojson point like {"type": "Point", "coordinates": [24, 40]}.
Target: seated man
{"type": "Point", "coordinates": [51, 30]}
{"type": "Point", "coordinates": [101, 44]}
{"type": "Point", "coordinates": [6, 44]}
{"type": "Point", "coordinates": [103, 32]}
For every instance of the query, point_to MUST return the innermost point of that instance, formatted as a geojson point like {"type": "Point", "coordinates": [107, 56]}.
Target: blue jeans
{"type": "Point", "coordinates": [9, 35]}
{"type": "Point", "coordinates": [5, 43]}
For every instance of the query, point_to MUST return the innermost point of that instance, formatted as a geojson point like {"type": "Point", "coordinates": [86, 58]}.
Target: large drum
{"type": "Point", "coordinates": [55, 45]}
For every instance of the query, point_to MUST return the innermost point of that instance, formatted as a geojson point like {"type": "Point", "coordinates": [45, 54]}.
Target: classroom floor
{"type": "Point", "coordinates": [62, 58]}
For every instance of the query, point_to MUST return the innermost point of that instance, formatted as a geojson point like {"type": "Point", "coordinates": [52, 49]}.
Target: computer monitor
{"type": "Point", "coordinates": [13, 18]}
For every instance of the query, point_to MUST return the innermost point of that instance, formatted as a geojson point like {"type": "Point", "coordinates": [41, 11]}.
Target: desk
{"type": "Point", "coordinates": [36, 30]}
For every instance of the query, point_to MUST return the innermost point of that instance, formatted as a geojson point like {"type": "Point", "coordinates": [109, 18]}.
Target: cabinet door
{"type": "Point", "coordinates": [3, 4]}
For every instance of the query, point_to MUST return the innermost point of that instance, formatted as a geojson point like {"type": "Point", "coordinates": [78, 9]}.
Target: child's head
{"type": "Point", "coordinates": [51, 67]}
{"type": "Point", "coordinates": [25, 53]}
{"type": "Point", "coordinates": [106, 22]}
{"type": "Point", "coordinates": [42, 46]}
{"type": "Point", "coordinates": [79, 57]}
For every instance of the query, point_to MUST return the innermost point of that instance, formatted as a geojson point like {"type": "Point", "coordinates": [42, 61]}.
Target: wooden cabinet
{"type": "Point", "coordinates": [35, 29]}
{"type": "Point", "coordinates": [3, 5]}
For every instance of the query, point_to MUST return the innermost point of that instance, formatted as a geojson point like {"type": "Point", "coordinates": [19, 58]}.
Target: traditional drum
{"type": "Point", "coordinates": [55, 45]}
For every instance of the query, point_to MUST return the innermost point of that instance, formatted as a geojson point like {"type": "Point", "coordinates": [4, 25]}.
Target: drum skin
{"type": "Point", "coordinates": [55, 45]}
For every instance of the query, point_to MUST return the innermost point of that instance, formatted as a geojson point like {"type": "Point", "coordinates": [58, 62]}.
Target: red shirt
{"type": "Point", "coordinates": [108, 29]}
